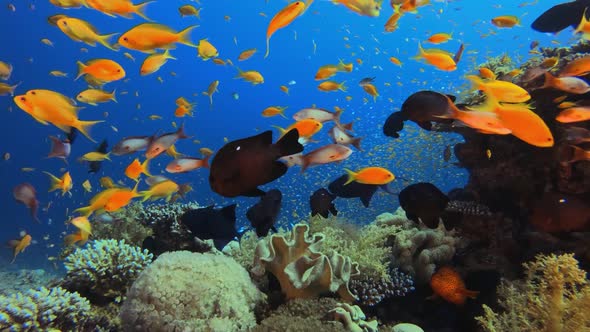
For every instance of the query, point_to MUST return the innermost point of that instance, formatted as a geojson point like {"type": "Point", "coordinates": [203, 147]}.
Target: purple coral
{"type": "Point", "coordinates": [371, 291]}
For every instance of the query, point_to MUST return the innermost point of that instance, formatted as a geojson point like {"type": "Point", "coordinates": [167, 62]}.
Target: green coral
{"type": "Point", "coordinates": [301, 315]}
{"type": "Point", "coordinates": [243, 251]}
{"type": "Point", "coordinates": [105, 269]}
{"type": "Point", "coordinates": [553, 297]}
{"type": "Point", "coordinates": [367, 246]}
{"type": "Point", "coordinates": [43, 309]}
{"type": "Point", "coordinates": [130, 230]}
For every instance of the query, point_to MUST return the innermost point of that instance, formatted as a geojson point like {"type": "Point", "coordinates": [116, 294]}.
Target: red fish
{"type": "Point", "coordinates": [26, 194]}
{"type": "Point", "coordinates": [447, 283]}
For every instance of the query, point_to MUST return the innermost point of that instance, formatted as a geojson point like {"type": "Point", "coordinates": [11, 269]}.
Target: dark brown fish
{"type": "Point", "coordinates": [459, 53]}
{"type": "Point", "coordinates": [241, 166]}
{"type": "Point", "coordinates": [423, 201]}
{"type": "Point", "coordinates": [577, 135]}
{"type": "Point", "coordinates": [263, 215]}
{"type": "Point", "coordinates": [556, 212]}
{"type": "Point", "coordinates": [321, 202]}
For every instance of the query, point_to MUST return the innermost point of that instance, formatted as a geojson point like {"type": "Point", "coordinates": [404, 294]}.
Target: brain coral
{"type": "Point", "coordinates": [105, 269]}
{"type": "Point", "coordinates": [42, 310]}
{"type": "Point", "coordinates": [184, 291]}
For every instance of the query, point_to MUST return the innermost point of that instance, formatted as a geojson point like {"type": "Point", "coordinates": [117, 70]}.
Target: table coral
{"type": "Point", "coordinates": [299, 266]}
{"type": "Point", "coordinates": [553, 297]}
{"type": "Point", "coordinates": [105, 269]}
{"type": "Point", "coordinates": [184, 291]}
{"type": "Point", "coordinates": [43, 309]}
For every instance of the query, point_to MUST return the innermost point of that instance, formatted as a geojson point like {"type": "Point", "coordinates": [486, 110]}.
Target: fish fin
{"type": "Point", "coordinates": [81, 68]}
{"type": "Point", "coordinates": [39, 120]}
{"type": "Point", "coordinates": [356, 142]}
{"type": "Point", "coordinates": [206, 161]}
{"type": "Point", "coordinates": [281, 130]}
{"type": "Point", "coordinates": [348, 126]}
{"type": "Point", "coordinates": [333, 210]}
{"type": "Point", "coordinates": [470, 293]}
{"type": "Point", "coordinates": [184, 36]}
{"type": "Point", "coordinates": [144, 168]}
{"type": "Point", "coordinates": [139, 9]}
{"type": "Point", "coordinates": [71, 239]}
{"type": "Point", "coordinates": [305, 162]}
{"type": "Point", "coordinates": [85, 211]}
{"type": "Point", "coordinates": [54, 182]}
{"type": "Point", "coordinates": [229, 212]}
{"type": "Point", "coordinates": [426, 125]}
{"type": "Point", "coordinates": [366, 199]}
{"type": "Point", "coordinates": [289, 143]}
{"type": "Point", "coordinates": [113, 96]}
{"type": "Point", "coordinates": [549, 81]}
{"type": "Point", "coordinates": [84, 127]}
{"type": "Point", "coordinates": [452, 98]}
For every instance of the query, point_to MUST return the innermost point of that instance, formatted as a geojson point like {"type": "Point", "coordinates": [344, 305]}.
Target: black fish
{"type": "Point", "coordinates": [94, 166]}
{"type": "Point", "coordinates": [422, 107]}
{"type": "Point", "coordinates": [366, 80]}
{"type": "Point", "coordinates": [241, 166]}
{"type": "Point", "coordinates": [423, 201]}
{"type": "Point", "coordinates": [209, 223]}
{"type": "Point", "coordinates": [352, 190]}
{"type": "Point", "coordinates": [263, 214]}
{"type": "Point", "coordinates": [321, 202]}
{"type": "Point", "coordinates": [72, 135]}
{"type": "Point", "coordinates": [561, 16]}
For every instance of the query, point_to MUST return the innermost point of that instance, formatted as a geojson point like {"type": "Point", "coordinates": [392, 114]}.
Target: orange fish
{"type": "Point", "coordinates": [147, 37]}
{"type": "Point", "coordinates": [124, 8]}
{"type": "Point", "coordinates": [135, 169]}
{"type": "Point", "coordinates": [438, 58]}
{"type": "Point", "coordinates": [577, 67]}
{"type": "Point", "coordinates": [121, 198]}
{"type": "Point", "coordinates": [306, 128]}
{"type": "Point", "coordinates": [64, 184]}
{"type": "Point", "coordinates": [370, 175]}
{"type": "Point", "coordinates": [282, 19]}
{"type": "Point", "coordinates": [80, 238]}
{"type": "Point", "coordinates": [328, 86]}
{"type": "Point", "coordinates": [247, 54]}
{"type": "Point", "coordinates": [165, 189]}
{"type": "Point", "coordinates": [506, 21]}
{"type": "Point", "coordinates": [101, 69]}
{"type": "Point", "coordinates": [82, 223]}
{"type": "Point", "coordinates": [20, 245]}
{"type": "Point", "coordinates": [97, 203]}
{"type": "Point", "coordinates": [574, 114]}
{"type": "Point", "coordinates": [440, 38]}
{"type": "Point", "coordinates": [447, 283]}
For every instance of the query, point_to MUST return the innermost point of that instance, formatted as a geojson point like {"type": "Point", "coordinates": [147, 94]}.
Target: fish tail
{"type": "Point", "coordinates": [342, 87]}
{"type": "Point", "coordinates": [356, 142]}
{"type": "Point", "coordinates": [55, 181]}
{"type": "Point", "coordinates": [184, 36]}
{"type": "Point", "coordinates": [104, 41]}
{"type": "Point", "coordinates": [351, 176]}
{"type": "Point", "coordinates": [210, 98]}
{"type": "Point", "coordinates": [470, 293]}
{"type": "Point", "coordinates": [113, 96]}
{"type": "Point", "coordinates": [144, 167]}
{"type": "Point", "coordinates": [337, 115]}
{"type": "Point", "coordinates": [280, 129]}
{"type": "Point", "coordinates": [168, 56]}
{"type": "Point", "coordinates": [85, 211]}
{"type": "Point", "coordinates": [289, 143]}
{"type": "Point", "coordinates": [305, 162]}
{"type": "Point", "coordinates": [477, 82]}
{"type": "Point", "coordinates": [13, 87]}
{"type": "Point", "coordinates": [549, 81]}
{"type": "Point", "coordinates": [139, 9]}
{"type": "Point", "coordinates": [146, 195]}
{"type": "Point", "coordinates": [84, 127]}
{"type": "Point", "coordinates": [206, 161]}
{"type": "Point", "coordinates": [180, 132]}
{"type": "Point", "coordinates": [81, 69]}
{"type": "Point", "coordinates": [71, 239]}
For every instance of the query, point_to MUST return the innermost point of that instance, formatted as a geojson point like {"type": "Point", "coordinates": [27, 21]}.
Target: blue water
{"type": "Point", "coordinates": [416, 156]}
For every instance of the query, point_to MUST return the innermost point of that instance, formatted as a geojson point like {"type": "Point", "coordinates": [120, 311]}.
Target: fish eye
{"type": "Point", "coordinates": [23, 99]}
{"type": "Point", "coordinates": [125, 38]}
{"type": "Point", "coordinates": [33, 93]}
{"type": "Point", "coordinates": [118, 70]}
{"type": "Point", "coordinates": [64, 23]}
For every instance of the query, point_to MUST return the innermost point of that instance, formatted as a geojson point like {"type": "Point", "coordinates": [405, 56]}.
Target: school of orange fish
{"type": "Point", "coordinates": [505, 110]}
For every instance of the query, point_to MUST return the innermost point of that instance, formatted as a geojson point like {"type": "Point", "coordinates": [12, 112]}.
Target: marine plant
{"type": "Point", "coordinates": [185, 291]}
{"type": "Point", "coordinates": [43, 309]}
{"type": "Point", "coordinates": [554, 296]}
{"type": "Point", "coordinates": [302, 270]}
{"type": "Point", "coordinates": [105, 269]}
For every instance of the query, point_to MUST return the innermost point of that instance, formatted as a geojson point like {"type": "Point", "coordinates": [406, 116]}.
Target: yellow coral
{"type": "Point", "coordinates": [553, 297]}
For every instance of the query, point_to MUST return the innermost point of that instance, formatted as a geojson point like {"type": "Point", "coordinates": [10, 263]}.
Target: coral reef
{"type": "Point", "coordinates": [301, 315]}
{"type": "Point", "coordinates": [371, 291]}
{"type": "Point", "coordinates": [184, 291]}
{"type": "Point", "coordinates": [104, 270]}
{"type": "Point", "coordinates": [365, 246]}
{"type": "Point", "coordinates": [243, 251]}
{"type": "Point", "coordinates": [132, 231]}
{"type": "Point", "coordinates": [417, 249]}
{"type": "Point", "coordinates": [43, 309]}
{"type": "Point", "coordinates": [353, 318]}
{"type": "Point", "coordinates": [554, 296]}
{"type": "Point", "coordinates": [406, 327]}
{"type": "Point", "coordinates": [22, 280]}
{"type": "Point", "coordinates": [299, 266]}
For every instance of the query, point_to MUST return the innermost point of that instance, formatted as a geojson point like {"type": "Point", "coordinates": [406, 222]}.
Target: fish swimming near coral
{"type": "Point", "coordinates": [263, 215]}
{"type": "Point", "coordinates": [239, 167]}
{"type": "Point", "coordinates": [561, 16]}
{"type": "Point", "coordinates": [353, 190]}
{"type": "Point", "coordinates": [207, 223]}
{"type": "Point", "coordinates": [423, 202]}
{"type": "Point", "coordinates": [555, 212]}
{"type": "Point", "coordinates": [321, 202]}
{"type": "Point", "coordinates": [449, 285]}
{"type": "Point", "coordinates": [421, 107]}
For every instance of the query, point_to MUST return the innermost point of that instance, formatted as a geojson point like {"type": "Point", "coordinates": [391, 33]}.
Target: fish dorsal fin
{"type": "Point", "coordinates": [265, 138]}
{"type": "Point", "coordinates": [229, 212]}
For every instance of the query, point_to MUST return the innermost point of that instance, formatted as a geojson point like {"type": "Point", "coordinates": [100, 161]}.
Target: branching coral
{"type": "Point", "coordinates": [299, 266]}
{"type": "Point", "coordinates": [417, 249]}
{"type": "Point", "coordinates": [553, 297]}
{"type": "Point", "coordinates": [105, 269]}
{"type": "Point", "coordinates": [43, 309]}
{"type": "Point", "coordinates": [184, 291]}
